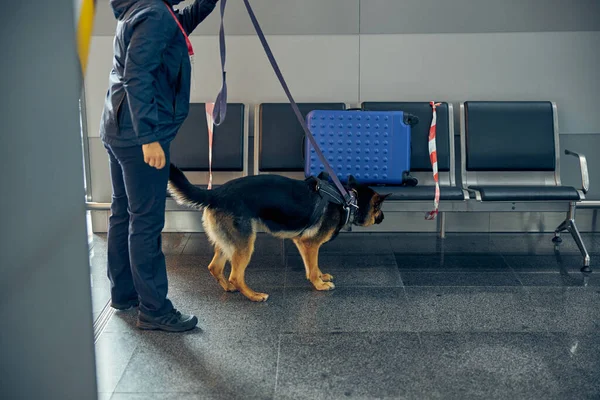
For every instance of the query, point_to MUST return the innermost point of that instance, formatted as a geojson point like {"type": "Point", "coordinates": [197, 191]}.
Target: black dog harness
{"type": "Point", "coordinates": [329, 194]}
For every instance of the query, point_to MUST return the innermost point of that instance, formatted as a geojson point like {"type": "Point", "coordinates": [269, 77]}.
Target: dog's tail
{"type": "Point", "coordinates": [184, 192]}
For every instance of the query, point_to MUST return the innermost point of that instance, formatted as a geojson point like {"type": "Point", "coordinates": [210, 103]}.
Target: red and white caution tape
{"type": "Point", "coordinates": [434, 165]}
{"type": "Point", "coordinates": [210, 122]}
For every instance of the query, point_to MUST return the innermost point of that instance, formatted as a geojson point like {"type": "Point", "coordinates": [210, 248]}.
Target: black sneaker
{"type": "Point", "coordinates": [125, 306]}
{"type": "Point", "coordinates": [174, 321]}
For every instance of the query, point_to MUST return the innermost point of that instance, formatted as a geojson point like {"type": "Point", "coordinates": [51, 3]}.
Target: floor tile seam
{"type": "Point", "coordinates": [308, 285]}
{"type": "Point", "coordinates": [189, 236]}
{"type": "Point", "coordinates": [512, 270]}
{"type": "Point", "coordinates": [167, 392]}
{"type": "Point", "coordinates": [441, 270]}
{"type": "Point", "coordinates": [284, 305]}
{"type": "Point", "coordinates": [401, 281]}
{"type": "Point", "coordinates": [280, 338]}
{"type": "Point", "coordinates": [348, 332]}
{"type": "Point", "coordinates": [421, 333]}
{"type": "Point", "coordinates": [133, 353]}
{"type": "Point", "coordinates": [138, 336]}
{"type": "Point", "coordinates": [465, 286]}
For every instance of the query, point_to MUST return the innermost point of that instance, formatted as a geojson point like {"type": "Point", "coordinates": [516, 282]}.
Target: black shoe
{"type": "Point", "coordinates": [125, 306]}
{"type": "Point", "coordinates": [173, 321]}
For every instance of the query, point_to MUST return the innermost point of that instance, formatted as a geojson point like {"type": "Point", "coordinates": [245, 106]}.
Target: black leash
{"type": "Point", "coordinates": [221, 102]}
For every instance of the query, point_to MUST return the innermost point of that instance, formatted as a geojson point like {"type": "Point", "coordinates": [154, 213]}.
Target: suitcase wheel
{"type": "Point", "coordinates": [411, 120]}
{"type": "Point", "coordinates": [409, 180]}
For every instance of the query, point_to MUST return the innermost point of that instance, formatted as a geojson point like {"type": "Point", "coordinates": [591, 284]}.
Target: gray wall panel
{"type": "Point", "coordinates": [100, 172]}
{"type": "Point", "coordinates": [104, 21]}
{"type": "Point", "coordinates": [284, 17]}
{"type": "Point", "coordinates": [96, 82]}
{"type": "Point", "coordinates": [478, 16]}
{"type": "Point", "coordinates": [556, 66]}
{"type": "Point", "coordinates": [589, 145]}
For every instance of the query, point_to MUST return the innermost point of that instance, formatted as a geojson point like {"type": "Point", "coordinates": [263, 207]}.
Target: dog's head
{"type": "Point", "coordinates": [369, 202]}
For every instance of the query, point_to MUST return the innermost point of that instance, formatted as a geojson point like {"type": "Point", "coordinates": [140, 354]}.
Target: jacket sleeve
{"type": "Point", "coordinates": [150, 37]}
{"type": "Point", "coordinates": [191, 16]}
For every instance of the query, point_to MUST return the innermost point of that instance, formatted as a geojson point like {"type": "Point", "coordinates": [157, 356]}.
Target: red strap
{"type": "Point", "coordinates": [434, 166]}
{"type": "Point", "coordinates": [187, 39]}
{"type": "Point", "coordinates": [210, 123]}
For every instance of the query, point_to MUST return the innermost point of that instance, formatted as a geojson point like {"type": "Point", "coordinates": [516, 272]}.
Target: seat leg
{"type": "Point", "coordinates": [577, 237]}
{"type": "Point", "coordinates": [442, 225]}
{"type": "Point", "coordinates": [570, 226]}
{"type": "Point", "coordinates": [561, 228]}
{"type": "Point", "coordinates": [564, 226]}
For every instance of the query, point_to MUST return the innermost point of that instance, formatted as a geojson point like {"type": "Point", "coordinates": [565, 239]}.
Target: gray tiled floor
{"type": "Point", "coordinates": [412, 316]}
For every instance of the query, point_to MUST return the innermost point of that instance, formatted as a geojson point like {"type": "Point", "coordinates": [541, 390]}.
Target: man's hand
{"type": "Point", "coordinates": [154, 155]}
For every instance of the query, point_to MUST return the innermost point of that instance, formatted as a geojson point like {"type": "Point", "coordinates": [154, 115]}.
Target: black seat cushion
{"type": "Point", "coordinates": [415, 193]}
{"type": "Point", "coordinates": [527, 193]}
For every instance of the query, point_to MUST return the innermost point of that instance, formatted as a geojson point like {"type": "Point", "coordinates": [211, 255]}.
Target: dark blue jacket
{"type": "Point", "coordinates": [149, 85]}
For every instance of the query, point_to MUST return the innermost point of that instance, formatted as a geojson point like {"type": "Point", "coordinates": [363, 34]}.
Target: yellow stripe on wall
{"type": "Point", "coordinates": [85, 26]}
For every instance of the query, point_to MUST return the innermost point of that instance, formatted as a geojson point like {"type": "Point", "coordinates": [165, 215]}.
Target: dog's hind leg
{"type": "Point", "coordinates": [239, 262]}
{"type": "Point", "coordinates": [216, 267]}
{"type": "Point", "coordinates": [309, 250]}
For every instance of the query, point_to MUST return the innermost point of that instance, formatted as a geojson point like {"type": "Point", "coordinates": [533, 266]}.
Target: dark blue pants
{"type": "Point", "coordinates": [136, 263]}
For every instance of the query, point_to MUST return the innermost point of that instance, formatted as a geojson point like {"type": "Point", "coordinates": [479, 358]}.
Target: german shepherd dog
{"type": "Point", "coordinates": [283, 207]}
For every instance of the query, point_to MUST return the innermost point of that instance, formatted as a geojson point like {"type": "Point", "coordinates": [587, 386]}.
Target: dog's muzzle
{"type": "Point", "coordinates": [379, 218]}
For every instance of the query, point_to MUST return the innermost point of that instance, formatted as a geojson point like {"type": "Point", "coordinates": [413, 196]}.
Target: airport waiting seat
{"type": "Point", "coordinates": [279, 137]}
{"type": "Point", "coordinates": [189, 149]}
{"type": "Point", "coordinates": [420, 163]}
{"type": "Point", "coordinates": [511, 161]}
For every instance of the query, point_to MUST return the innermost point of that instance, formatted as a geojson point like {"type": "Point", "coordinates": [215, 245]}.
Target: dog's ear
{"type": "Point", "coordinates": [382, 197]}
{"type": "Point", "coordinates": [352, 182]}
{"type": "Point", "coordinates": [324, 176]}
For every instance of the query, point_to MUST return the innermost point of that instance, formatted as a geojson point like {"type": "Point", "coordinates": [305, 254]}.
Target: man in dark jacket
{"type": "Point", "coordinates": [147, 101]}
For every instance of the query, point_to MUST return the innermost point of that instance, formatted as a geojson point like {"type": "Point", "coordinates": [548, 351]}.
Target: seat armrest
{"type": "Point", "coordinates": [585, 177]}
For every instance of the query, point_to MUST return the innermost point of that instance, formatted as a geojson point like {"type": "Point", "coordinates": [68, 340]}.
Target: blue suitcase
{"type": "Point", "coordinates": [373, 146]}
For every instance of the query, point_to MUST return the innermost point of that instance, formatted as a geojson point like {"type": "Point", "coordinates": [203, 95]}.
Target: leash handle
{"type": "Point", "coordinates": [349, 199]}
{"type": "Point", "coordinates": [220, 109]}
{"type": "Point", "coordinates": [434, 164]}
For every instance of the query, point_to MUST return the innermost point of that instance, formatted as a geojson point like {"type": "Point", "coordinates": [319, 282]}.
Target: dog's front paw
{"type": "Point", "coordinates": [326, 277]}
{"type": "Point", "coordinates": [227, 286]}
{"type": "Point", "coordinates": [324, 285]}
{"type": "Point", "coordinates": [258, 297]}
